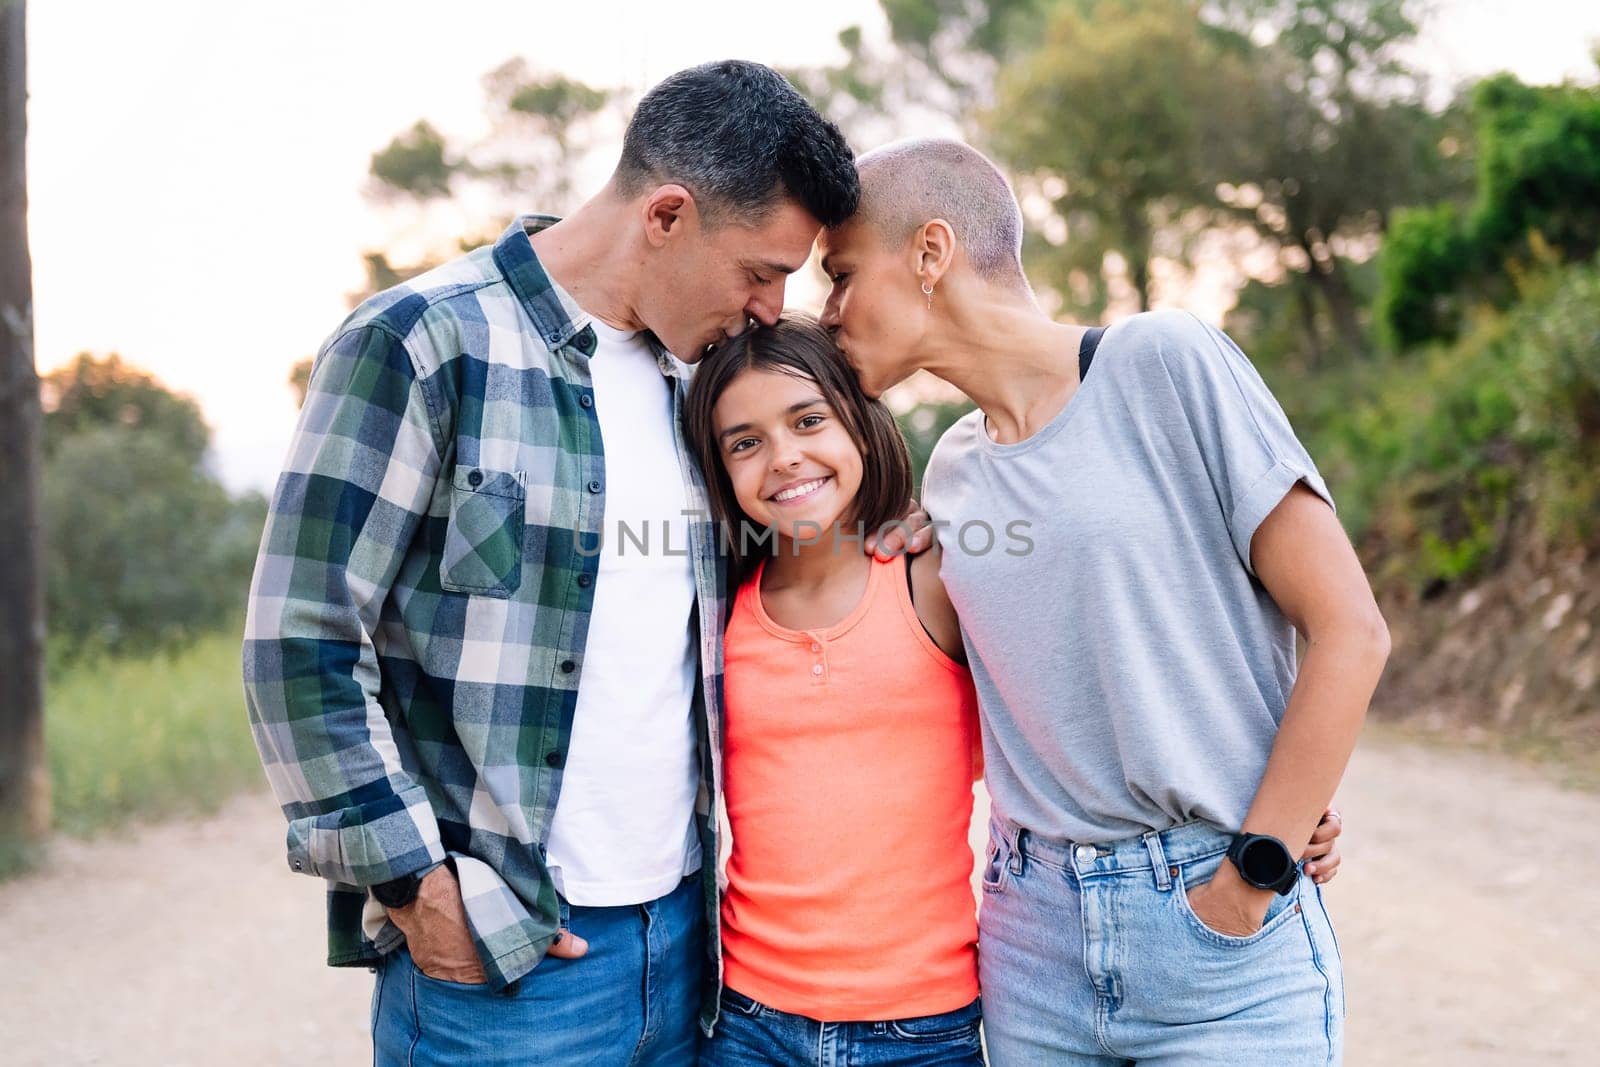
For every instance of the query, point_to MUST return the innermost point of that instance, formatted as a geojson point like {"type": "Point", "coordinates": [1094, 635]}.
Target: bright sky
{"type": "Point", "coordinates": [195, 167]}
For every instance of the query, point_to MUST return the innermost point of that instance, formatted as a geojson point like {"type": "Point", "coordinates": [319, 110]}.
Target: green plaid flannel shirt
{"type": "Point", "coordinates": [417, 620]}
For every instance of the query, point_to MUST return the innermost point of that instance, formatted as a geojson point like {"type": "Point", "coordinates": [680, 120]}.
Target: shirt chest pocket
{"type": "Point", "coordinates": [483, 537]}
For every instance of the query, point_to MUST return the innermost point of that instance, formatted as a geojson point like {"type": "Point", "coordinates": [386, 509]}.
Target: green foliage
{"type": "Point", "coordinates": [1438, 457]}
{"type": "Point", "coordinates": [540, 125]}
{"type": "Point", "coordinates": [1539, 166]}
{"type": "Point", "coordinates": [1538, 202]}
{"type": "Point", "coordinates": [414, 162]}
{"type": "Point", "coordinates": [922, 427]}
{"type": "Point", "coordinates": [1131, 144]}
{"type": "Point", "coordinates": [1425, 257]}
{"type": "Point", "coordinates": [143, 547]}
{"type": "Point", "coordinates": [91, 393]}
{"type": "Point", "coordinates": [147, 737]}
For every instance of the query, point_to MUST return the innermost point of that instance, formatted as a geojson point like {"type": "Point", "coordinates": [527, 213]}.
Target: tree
{"type": "Point", "coordinates": [90, 393]}
{"type": "Point", "coordinates": [1537, 201]}
{"type": "Point", "coordinates": [540, 126]}
{"type": "Point", "coordinates": [146, 548]}
{"type": "Point", "coordinates": [24, 786]}
{"type": "Point", "coordinates": [1342, 139]}
{"type": "Point", "coordinates": [1123, 150]}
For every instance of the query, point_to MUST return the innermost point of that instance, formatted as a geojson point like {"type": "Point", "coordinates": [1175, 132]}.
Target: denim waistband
{"type": "Point", "coordinates": [1155, 851]}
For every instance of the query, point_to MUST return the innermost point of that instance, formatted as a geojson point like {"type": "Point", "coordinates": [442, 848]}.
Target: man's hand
{"type": "Point", "coordinates": [895, 541]}
{"type": "Point", "coordinates": [435, 925]}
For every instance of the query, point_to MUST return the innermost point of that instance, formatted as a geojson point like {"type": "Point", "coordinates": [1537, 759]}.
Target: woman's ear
{"type": "Point", "coordinates": [935, 248]}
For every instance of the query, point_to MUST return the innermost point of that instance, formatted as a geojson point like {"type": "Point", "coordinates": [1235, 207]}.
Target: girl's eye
{"type": "Point", "coordinates": [739, 445]}
{"type": "Point", "coordinates": [809, 421]}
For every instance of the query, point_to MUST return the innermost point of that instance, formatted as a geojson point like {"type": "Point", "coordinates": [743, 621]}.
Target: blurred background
{"type": "Point", "coordinates": [1393, 206]}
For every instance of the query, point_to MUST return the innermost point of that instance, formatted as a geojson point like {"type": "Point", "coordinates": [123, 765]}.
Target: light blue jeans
{"type": "Point", "coordinates": [1090, 954]}
{"type": "Point", "coordinates": [632, 1000]}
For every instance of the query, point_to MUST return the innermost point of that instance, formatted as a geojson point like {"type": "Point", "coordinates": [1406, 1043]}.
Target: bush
{"type": "Point", "coordinates": [142, 548]}
{"type": "Point", "coordinates": [1437, 456]}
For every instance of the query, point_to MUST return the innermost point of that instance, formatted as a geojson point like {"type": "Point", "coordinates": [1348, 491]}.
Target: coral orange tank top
{"type": "Point", "coordinates": [850, 757]}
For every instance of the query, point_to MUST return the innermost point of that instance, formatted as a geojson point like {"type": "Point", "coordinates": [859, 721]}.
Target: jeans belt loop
{"type": "Point", "coordinates": [1158, 860]}
{"type": "Point", "coordinates": [1015, 862]}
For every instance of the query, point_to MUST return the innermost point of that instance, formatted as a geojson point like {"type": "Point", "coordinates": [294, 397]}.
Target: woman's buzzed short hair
{"type": "Point", "coordinates": [905, 184]}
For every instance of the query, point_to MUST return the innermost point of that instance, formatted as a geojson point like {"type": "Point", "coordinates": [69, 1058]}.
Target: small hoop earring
{"type": "Point", "coordinates": [928, 291]}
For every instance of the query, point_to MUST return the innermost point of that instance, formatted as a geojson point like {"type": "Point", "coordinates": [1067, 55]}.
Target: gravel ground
{"type": "Point", "coordinates": [1468, 911]}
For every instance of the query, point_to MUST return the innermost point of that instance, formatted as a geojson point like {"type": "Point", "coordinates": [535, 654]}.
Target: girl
{"type": "Point", "coordinates": [850, 727]}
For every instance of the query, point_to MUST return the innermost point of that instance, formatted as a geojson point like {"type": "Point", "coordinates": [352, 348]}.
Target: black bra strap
{"type": "Point", "coordinates": [1091, 341]}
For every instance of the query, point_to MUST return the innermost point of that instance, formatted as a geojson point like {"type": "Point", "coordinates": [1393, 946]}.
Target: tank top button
{"type": "Point", "coordinates": [816, 669]}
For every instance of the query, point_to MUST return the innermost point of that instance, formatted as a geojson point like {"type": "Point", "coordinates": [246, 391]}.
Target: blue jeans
{"type": "Point", "coordinates": [750, 1034]}
{"type": "Point", "coordinates": [633, 999]}
{"type": "Point", "coordinates": [1090, 954]}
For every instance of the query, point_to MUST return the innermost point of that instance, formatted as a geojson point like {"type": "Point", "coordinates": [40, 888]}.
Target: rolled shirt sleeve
{"type": "Point", "coordinates": [1249, 449]}
{"type": "Point", "coordinates": [361, 471]}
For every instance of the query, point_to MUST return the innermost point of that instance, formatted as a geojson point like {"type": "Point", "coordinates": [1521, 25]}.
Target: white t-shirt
{"type": "Point", "coordinates": [623, 830]}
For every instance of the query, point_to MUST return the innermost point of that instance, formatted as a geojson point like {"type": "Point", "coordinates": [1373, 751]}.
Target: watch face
{"type": "Point", "coordinates": [1264, 862]}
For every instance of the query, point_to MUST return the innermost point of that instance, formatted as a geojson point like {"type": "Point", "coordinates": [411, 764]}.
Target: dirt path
{"type": "Point", "coordinates": [1468, 912]}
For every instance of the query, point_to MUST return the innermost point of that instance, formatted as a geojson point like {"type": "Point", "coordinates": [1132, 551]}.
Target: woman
{"type": "Point", "coordinates": [1154, 757]}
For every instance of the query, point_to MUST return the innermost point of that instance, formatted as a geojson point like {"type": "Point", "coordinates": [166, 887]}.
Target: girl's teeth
{"type": "Point", "coordinates": [797, 491]}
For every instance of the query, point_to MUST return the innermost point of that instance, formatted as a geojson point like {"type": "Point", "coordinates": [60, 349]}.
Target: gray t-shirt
{"type": "Point", "coordinates": [1130, 668]}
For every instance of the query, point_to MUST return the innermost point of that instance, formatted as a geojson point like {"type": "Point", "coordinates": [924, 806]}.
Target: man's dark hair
{"type": "Point", "coordinates": [740, 138]}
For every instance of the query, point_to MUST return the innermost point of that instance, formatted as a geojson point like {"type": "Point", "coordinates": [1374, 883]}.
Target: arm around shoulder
{"type": "Point", "coordinates": [934, 609]}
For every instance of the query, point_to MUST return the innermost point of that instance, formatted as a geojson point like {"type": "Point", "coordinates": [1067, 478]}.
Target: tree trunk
{"type": "Point", "coordinates": [1303, 299]}
{"type": "Point", "coordinates": [1331, 282]}
{"type": "Point", "coordinates": [24, 787]}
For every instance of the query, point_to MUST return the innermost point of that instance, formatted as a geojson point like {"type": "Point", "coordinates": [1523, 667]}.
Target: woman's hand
{"type": "Point", "coordinates": [1322, 857]}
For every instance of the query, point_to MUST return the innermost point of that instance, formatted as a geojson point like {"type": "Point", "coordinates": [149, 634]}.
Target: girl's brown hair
{"type": "Point", "coordinates": [797, 344]}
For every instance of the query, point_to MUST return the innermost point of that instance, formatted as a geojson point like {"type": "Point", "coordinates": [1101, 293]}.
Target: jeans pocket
{"type": "Point", "coordinates": [994, 864]}
{"type": "Point", "coordinates": [738, 1003]}
{"type": "Point", "coordinates": [1280, 910]}
{"type": "Point", "coordinates": [442, 983]}
{"type": "Point", "coordinates": [483, 536]}
{"type": "Point", "coordinates": [958, 1025]}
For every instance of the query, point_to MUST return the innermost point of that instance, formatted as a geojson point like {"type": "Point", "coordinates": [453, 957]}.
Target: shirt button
{"type": "Point", "coordinates": [567, 666]}
{"type": "Point", "coordinates": [817, 669]}
{"type": "Point", "coordinates": [594, 487]}
{"type": "Point", "coordinates": [553, 758]}
{"type": "Point", "coordinates": [584, 581]}
{"type": "Point", "coordinates": [1085, 855]}
{"type": "Point", "coordinates": [475, 479]}
{"type": "Point", "coordinates": [299, 866]}
{"type": "Point", "coordinates": [586, 401]}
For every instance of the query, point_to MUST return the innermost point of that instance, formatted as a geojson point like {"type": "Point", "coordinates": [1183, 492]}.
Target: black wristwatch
{"type": "Point", "coordinates": [398, 892]}
{"type": "Point", "coordinates": [1264, 862]}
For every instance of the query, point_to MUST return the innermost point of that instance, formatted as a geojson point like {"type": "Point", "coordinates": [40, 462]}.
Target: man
{"type": "Point", "coordinates": [493, 728]}
{"type": "Point", "coordinates": [1154, 760]}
